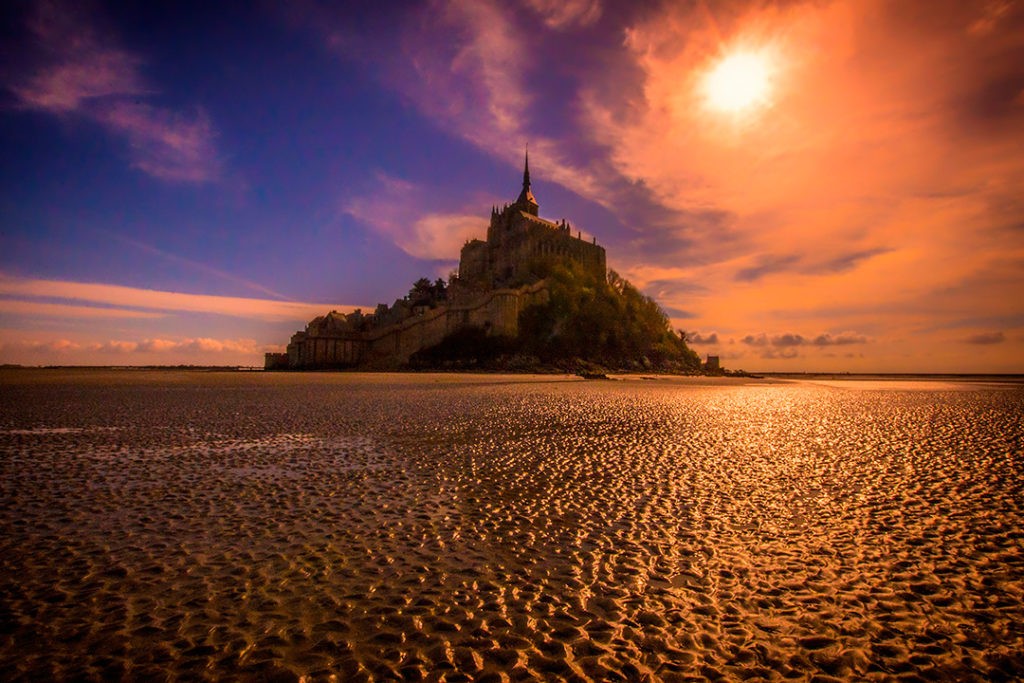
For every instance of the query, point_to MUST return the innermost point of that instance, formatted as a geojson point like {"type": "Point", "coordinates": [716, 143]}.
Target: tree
{"type": "Point", "coordinates": [425, 293]}
{"type": "Point", "coordinates": [604, 321]}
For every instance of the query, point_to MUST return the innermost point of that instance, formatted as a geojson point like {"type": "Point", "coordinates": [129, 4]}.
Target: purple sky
{"type": "Point", "coordinates": [190, 183]}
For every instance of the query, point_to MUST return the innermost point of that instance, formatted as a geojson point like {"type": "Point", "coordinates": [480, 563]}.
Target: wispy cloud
{"type": "Point", "coordinates": [474, 68]}
{"type": "Point", "coordinates": [194, 265]}
{"type": "Point", "coordinates": [165, 144]}
{"type": "Point", "coordinates": [766, 265]}
{"type": "Point", "coordinates": [986, 338]}
{"type": "Point", "coordinates": [51, 310]}
{"type": "Point", "coordinates": [75, 69]}
{"type": "Point", "coordinates": [24, 296]}
{"type": "Point", "coordinates": [399, 210]}
{"type": "Point", "coordinates": [136, 351]}
{"type": "Point", "coordinates": [566, 14]}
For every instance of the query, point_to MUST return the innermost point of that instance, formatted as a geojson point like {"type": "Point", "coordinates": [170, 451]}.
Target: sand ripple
{"type": "Point", "coordinates": [381, 527]}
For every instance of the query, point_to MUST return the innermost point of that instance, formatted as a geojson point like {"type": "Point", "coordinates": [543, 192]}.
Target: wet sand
{"type": "Point", "coordinates": [224, 525]}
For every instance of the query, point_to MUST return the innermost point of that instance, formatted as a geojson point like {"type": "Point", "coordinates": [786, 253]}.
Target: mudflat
{"type": "Point", "coordinates": [279, 526]}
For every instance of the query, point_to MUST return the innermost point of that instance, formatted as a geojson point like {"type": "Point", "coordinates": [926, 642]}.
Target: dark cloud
{"type": "Point", "coordinates": [670, 235]}
{"type": "Point", "coordinates": [768, 264]}
{"type": "Point", "coordinates": [996, 101]}
{"type": "Point", "coordinates": [791, 340]}
{"type": "Point", "coordinates": [986, 338]}
{"type": "Point", "coordinates": [678, 312]}
{"type": "Point", "coordinates": [788, 340]}
{"type": "Point", "coordinates": [701, 339]}
{"type": "Point", "coordinates": [780, 354]}
{"type": "Point", "coordinates": [672, 288]}
{"type": "Point", "coordinates": [845, 262]}
{"type": "Point", "coordinates": [839, 339]}
{"type": "Point", "coordinates": [778, 263]}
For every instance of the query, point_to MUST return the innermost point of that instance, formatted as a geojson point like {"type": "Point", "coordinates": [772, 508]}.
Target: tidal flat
{"type": "Point", "coordinates": [191, 525]}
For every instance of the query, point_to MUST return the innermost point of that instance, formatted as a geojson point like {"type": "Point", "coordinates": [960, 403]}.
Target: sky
{"type": "Point", "coordinates": [193, 182]}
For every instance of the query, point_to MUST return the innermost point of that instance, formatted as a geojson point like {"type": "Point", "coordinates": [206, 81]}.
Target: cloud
{"type": "Point", "coordinates": [843, 339]}
{"type": "Point", "coordinates": [702, 339]}
{"type": "Point", "coordinates": [565, 14]}
{"type": "Point", "coordinates": [755, 340]}
{"type": "Point", "coordinates": [816, 264]}
{"type": "Point", "coordinates": [766, 265]}
{"type": "Point", "coordinates": [72, 85]}
{"type": "Point", "coordinates": [113, 346]}
{"type": "Point", "coordinates": [52, 310]}
{"type": "Point", "coordinates": [53, 346]}
{"type": "Point", "coordinates": [194, 265]}
{"type": "Point", "coordinates": [33, 297]}
{"type": "Point", "coordinates": [986, 338]}
{"type": "Point", "coordinates": [678, 312]}
{"type": "Point", "coordinates": [846, 262]}
{"type": "Point", "coordinates": [147, 348]}
{"type": "Point", "coordinates": [395, 208]}
{"type": "Point", "coordinates": [480, 70]}
{"type": "Point", "coordinates": [836, 106]}
{"type": "Point", "coordinates": [790, 339]}
{"type": "Point", "coordinates": [165, 144]}
{"type": "Point", "coordinates": [77, 70]}
{"type": "Point", "coordinates": [783, 354]}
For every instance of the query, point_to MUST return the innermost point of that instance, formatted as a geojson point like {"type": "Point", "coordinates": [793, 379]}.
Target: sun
{"type": "Point", "coordinates": [739, 82]}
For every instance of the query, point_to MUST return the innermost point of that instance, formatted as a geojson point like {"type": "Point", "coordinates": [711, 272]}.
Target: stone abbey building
{"type": "Point", "coordinates": [495, 281]}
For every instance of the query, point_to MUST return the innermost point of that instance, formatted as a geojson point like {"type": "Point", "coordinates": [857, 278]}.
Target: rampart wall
{"type": "Point", "coordinates": [497, 311]}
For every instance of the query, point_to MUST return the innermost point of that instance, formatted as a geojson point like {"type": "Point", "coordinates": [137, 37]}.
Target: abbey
{"type": "Point", "coordinates": [516, 238]}
{"type": "Point", "coordinates": [497, 279]}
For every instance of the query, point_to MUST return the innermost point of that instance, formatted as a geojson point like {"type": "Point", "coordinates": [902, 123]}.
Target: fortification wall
{"type": "Point", "coordinates": [497, 311]}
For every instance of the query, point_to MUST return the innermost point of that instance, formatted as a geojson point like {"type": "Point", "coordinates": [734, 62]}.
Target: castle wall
{"type": "Point", "coordinates": [392, 346]}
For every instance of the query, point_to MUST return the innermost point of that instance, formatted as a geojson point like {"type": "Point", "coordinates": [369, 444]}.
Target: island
{"type": "Point", "coordinates": [532, 295]}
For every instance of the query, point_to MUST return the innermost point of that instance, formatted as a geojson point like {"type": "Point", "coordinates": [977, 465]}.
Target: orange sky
{"type": "Point", "coordinates": [865, 214]}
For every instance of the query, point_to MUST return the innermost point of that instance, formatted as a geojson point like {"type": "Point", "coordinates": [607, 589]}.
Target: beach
{"type": "Point", "coordinates": [345, 526]}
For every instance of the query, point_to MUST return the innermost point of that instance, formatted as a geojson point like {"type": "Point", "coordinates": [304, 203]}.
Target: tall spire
{"type": "Point", "coordinates": [526, 168]}
{"type": "Point", "coordinates": [526, 199]}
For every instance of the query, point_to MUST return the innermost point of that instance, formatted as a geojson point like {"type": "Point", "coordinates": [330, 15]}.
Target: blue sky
{"type": "Point", "coordinates": [192, 182]}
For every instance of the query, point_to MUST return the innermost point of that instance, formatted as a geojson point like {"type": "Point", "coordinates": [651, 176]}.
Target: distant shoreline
{"type": "Point", "coordinates": [831, 376]}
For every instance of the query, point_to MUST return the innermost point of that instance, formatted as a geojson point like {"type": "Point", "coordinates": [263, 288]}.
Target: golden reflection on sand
{"type": "Point", "coordinates": [508, 528]}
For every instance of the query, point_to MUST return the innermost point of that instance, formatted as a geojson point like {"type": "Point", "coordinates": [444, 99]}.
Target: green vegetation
{"type": "Point", "coordinates": [587, 325]}
{"type": "Point", "coordinates": [427, 293]}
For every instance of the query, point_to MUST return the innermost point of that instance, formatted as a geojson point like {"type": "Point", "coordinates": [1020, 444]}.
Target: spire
{"type": "Point", "coordinates": [526, 199]}
{"type": "Point", "coordinates": [526, 169]}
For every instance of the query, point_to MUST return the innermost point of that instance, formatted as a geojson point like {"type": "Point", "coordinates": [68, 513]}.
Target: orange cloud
{"type": "Point", "coordinates": [395, 209]}
{"type": "Point", "coordinates": [49, 310]}
{"type": "Point", "coordinates": [139, 352]}
{"type": "Point", "coordinates": [24, 295]}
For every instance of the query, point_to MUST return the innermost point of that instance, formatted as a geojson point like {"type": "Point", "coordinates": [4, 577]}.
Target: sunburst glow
{"type": "Point", "coordinates": [740, 81]}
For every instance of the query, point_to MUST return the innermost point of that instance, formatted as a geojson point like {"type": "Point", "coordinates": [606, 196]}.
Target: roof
{"type": "Point", "coordinates": [538, 219]}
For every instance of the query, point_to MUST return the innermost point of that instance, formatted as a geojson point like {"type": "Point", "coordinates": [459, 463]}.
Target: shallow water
{"type": "Point", "coordinates": [386, 526]}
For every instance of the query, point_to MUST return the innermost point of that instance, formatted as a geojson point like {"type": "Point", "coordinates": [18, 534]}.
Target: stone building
{"type": "Point", "coordinates": [516, 237]}
{"type": "Point", "coordinates": [496, 280]}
